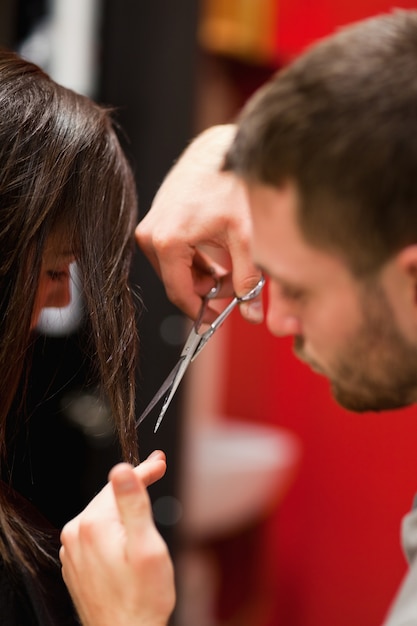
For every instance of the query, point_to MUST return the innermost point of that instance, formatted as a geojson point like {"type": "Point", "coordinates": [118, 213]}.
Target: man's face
{"type": "Point", "coordinates": [344, 328]}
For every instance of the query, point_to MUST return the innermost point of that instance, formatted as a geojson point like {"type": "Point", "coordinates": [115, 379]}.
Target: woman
{"type": "Point", "coordinates": [67, 193]}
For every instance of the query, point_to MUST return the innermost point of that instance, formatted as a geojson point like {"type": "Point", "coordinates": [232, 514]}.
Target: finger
{"type": "Point", "coordinates": [153, 468]}
{"type": "Point", "coordinates": [245, 277]}
{"type": "Point", "coordinates": [237, 240]}
{"type": "Point", "coordinates": [206, 271]}
{"type": "Point", "coordinates": [176, 272]}
{"type": "Point", "coordinates": [143, 236]}
{"type": "Point", "coordinates": [132, 500]}
{"type": "Point", "coordinates": [173, 268]}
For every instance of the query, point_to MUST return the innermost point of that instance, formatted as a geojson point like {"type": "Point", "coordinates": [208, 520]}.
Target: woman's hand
{"type": "Point", "coordinates": [114, 561]}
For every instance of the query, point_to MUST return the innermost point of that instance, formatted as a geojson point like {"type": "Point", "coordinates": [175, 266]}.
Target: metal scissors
{"type": "Point", "coordinates": [193, 346]}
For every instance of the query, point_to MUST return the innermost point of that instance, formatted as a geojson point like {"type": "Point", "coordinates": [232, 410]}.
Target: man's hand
{"type": "Point", "coordinates": [199, 223]}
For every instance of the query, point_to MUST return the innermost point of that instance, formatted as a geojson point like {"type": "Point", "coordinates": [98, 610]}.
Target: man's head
{"type": "Point", "coordinates": [325, 153]}
{"type": "Point", "coordinates": [341, 122]}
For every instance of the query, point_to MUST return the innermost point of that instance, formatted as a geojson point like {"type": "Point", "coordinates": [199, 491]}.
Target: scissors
{"type": "Point", "coordinates": [194, 344]}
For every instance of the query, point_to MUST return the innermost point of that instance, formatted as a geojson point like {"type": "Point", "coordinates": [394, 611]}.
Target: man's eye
{"type": "Point", "coordinates": [292, 293]}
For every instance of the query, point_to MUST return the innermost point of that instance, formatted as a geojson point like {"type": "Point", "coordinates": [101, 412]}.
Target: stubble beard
{"type": "Point", "coordinates": [377, 370]}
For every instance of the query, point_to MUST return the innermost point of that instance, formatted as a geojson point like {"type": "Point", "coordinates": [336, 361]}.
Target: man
{"type": "Point", "coordinates": [328, 208]}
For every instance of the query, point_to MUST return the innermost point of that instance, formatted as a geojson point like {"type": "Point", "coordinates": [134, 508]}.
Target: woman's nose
{"type": "Point", "coordinates": [59, 293]}
{"type": "Point", "coordinates": [52, 292]}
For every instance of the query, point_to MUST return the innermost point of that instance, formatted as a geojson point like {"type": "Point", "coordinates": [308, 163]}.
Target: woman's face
{"type": "Point", "coordinates": [54, 281]}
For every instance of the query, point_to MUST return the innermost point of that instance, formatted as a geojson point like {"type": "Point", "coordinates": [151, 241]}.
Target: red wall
{"type": "Point", "coordinates": [330, 556]}
{"type": "Point", "coordinates": [301, 22]}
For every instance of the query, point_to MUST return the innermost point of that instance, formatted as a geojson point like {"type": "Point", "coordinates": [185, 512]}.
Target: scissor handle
{"type": "Point", "coordinates": [253, 293]}
{"type": "Point", "coordinates": [224, 289]}
{"type": "Point", "coordinates": [204, 337]}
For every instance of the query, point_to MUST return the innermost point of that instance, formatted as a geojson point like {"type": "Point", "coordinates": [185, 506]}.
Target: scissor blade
{"type": "Point", "coordinates": [191, 345]}
{"type": "Point", "coordinates": [182, 368]}
{"type": "Point", "coordinates": [204, 337]}
{"type": "Point", "coordinates": [160, 393]}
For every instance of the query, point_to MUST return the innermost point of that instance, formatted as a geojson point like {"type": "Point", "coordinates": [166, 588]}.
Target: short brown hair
{"type": "Point", "coordinates": [341, 122]}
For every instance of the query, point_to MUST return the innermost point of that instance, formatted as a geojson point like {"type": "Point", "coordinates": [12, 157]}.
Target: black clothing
{"type": "Point", "coordinates": [41, 599]}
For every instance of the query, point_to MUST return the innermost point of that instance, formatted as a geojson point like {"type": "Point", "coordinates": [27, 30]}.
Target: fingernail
{"type": "Point", "coordinates": [154, 454]}
{"type": "Point", "coordinates": [252, 311]}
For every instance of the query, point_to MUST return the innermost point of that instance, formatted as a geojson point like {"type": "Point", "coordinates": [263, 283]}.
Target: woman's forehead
{"type": "Point", "coordinates": [58, 244]}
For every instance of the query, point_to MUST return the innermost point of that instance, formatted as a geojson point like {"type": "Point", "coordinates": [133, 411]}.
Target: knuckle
{"type": "Point", "coordinates": [68, 533]}
{"type": "Point", "coordinates": [165, 242]}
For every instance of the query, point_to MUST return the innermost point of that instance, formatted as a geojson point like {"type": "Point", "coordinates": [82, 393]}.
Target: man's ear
{"type": "Point", "coordinates": [399, 280]}
{"type": "Point", "coordinates": [406, 261]}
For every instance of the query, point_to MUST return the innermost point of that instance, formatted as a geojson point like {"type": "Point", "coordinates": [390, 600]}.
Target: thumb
{"type": "Point", "coordinates": [251, 310]}
{"type": "Point", "coordinates": [131, 497]}
{"type": "Point", "coordinates": [153, 468]}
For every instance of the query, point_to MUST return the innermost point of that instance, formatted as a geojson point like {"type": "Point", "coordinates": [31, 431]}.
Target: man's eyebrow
{"type": "Point", "coordinates": [261, 268]}
{"type": "Point", "coordinates": [275, 277]}
{"type": "Point", "coordinates": [283, 281]}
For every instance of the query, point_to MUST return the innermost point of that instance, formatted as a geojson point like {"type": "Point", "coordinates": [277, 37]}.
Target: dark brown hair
{"type": "Point", "coordinates": [341, 122]}
{"type": "Point", "coordinates": [61, 166]}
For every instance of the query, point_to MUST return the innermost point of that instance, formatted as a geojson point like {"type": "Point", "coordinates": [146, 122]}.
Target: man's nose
{"type": "Point", "coordinates": [282, 319]}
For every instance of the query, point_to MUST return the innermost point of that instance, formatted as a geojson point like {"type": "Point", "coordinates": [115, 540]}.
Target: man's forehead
{"type": "Point", "coordinates": [278, 245]}
{"type": "Point", "coordinates": [274, 212]}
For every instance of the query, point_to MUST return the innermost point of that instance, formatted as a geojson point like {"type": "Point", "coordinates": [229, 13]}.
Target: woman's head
{"type": "Point", "coordinates": [65, 187]}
